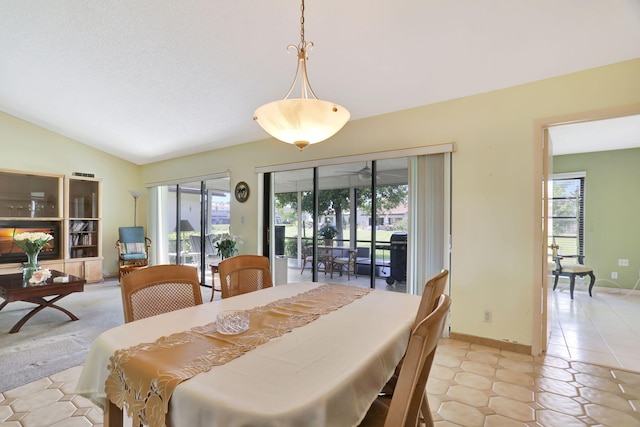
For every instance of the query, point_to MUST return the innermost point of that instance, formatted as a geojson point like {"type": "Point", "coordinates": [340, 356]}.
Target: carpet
{"type": "Point", "coordinates": [50, 342]}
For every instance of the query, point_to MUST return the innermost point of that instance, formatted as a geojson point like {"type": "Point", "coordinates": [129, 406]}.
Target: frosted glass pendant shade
{"type": "Point", "coordinates": [302, 121]}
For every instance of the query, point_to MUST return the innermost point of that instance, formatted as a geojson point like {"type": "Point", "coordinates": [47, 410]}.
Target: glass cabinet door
{"type": "Point", "coordinates": [30, 196]}
{"type": "Point", "coordinates": [84, 214]}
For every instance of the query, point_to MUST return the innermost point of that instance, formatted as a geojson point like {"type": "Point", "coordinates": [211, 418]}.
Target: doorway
{"type": "Point", "coordinates": [576, 341]}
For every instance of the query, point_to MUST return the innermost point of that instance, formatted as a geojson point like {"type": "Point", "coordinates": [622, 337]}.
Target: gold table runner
{"type": "Point", "coordinates": [142, 378]}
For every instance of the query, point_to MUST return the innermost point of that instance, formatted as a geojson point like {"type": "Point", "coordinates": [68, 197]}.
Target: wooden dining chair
{"type": "Point", "coordinates": [431, 292]}
{"type": "Point", "coordinates": [408, 399]}
{"type": "Point", "coordinates": [244, 273]}
{"type": "Point", "coordinates": [159, 289]}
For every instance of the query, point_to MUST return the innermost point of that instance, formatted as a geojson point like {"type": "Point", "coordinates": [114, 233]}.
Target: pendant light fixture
{"type": "Point", "coordinates": [305, 120]}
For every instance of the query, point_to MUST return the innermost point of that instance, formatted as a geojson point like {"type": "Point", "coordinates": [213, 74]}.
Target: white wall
{"type": "Point", "coordinates": [496, 165]}
{"type": "Point", "coordinates": [29, 148]}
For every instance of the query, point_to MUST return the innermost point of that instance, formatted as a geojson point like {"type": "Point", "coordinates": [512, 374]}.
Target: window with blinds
{"type": "Point", "coordinates": [566, 207]}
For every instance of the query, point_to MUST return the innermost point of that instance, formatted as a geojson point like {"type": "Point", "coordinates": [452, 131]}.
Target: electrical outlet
{"type": "Point", "coordinates": [487, 316]}
{"type": "Point", "coordinates": [614, 274]}
{"type": "Point", "coordinates": [623, 263]}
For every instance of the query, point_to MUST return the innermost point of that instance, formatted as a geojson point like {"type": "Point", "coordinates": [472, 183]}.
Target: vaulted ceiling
{"type": "Point", "coordinates": [148, 80]}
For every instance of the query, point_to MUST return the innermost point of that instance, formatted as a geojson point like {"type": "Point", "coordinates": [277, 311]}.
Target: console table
{"type": "Point", "coordinates": [214, 271]}
{"type": "Point", "coordinates": [13, 288]}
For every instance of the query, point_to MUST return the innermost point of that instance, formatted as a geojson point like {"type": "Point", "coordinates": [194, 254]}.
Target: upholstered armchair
{"type": "Point", "coordinates": [133, 249]}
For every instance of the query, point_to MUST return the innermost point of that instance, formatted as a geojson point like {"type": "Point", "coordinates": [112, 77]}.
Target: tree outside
{"type": "Point", "coordinates": [334, 206]}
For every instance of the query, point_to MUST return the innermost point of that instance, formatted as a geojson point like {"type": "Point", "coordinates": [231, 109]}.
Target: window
{"type": "Point", "coordinates": [566, 213]}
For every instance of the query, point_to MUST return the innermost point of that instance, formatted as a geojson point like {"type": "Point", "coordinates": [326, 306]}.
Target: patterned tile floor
{"type": "Point", "coordinates": [588, 377]}
{"type": "Point", "coordinates": [469, 385]}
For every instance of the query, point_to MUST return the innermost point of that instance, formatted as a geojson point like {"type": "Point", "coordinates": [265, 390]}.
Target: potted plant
{"type": "Point", "coordinates": [226, 246]}
{"type": "Point", "coordinates": [328, 232]}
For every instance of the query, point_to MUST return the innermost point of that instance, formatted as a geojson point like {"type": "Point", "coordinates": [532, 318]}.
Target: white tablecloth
{"type": "Point", "coordinates": [325, 373]}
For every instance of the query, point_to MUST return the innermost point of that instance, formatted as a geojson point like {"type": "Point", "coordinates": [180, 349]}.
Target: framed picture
{"type": "Point", "coordinates": [242, 191]}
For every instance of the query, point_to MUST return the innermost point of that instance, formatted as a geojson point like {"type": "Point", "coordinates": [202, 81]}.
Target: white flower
{"type": "Point", "coordinates": [33, 237]}
{"type": "Point", "coordinates": [32, 243]}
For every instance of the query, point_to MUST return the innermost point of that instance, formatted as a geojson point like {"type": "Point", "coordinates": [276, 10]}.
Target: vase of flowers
{"type": "Point", "coordinates": [328, 232]}
{"type": "Point", "coordinates": [31, 244]}
{"type": "Point", "coordinates": [226, 246]}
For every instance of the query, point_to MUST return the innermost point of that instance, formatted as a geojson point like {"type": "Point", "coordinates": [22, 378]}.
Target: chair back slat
{"type": "Point", "coordinates": [430, 295]}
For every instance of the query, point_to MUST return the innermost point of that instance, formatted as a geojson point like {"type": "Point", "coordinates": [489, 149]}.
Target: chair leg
{"type": "Point", "coordinates": [572, 284]}
{"type": "Point", "coordinates": [593, 281]}
{"type": "Point", "coordinates": [555, 281]}
{"type": "Point", "coordinates": [425, 411]}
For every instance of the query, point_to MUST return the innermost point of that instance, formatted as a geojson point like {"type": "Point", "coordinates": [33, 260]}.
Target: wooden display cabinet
{"type": "Point", "coordinates": [83, 213]}
{"type": "Point", "coordinates": [67, 208]}
{"type": "Point", "coordinates": [30, 203]}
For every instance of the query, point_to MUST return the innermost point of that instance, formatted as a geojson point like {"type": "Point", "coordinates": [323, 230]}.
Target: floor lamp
{"type": "Point", "coordinates": [135, 194]}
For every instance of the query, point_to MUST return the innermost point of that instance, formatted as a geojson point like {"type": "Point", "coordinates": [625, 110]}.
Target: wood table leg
{"type": "Point", "coordinates": [214, 270]}
{"type": "Point", "coordinates": [41, 304]}
{"type": "Point", "coordinates": [112, 415]}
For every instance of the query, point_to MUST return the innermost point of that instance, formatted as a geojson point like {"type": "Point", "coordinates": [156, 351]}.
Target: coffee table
{"type": "Point", "coordinates": [13, 288]}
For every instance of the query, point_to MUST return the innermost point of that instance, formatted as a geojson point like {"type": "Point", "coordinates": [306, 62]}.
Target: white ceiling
{"type": "Point", "coordinates": [148, 80]}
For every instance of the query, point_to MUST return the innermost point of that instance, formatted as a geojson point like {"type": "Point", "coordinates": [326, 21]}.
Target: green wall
{"type": "Point", "coordinates": [612, 212]}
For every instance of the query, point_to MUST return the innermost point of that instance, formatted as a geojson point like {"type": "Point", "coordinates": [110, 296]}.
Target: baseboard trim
{"type": "Point", "coordinates": [490, 342]}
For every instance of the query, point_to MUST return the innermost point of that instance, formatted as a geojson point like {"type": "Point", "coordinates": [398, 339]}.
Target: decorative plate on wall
{"type": "Point", "coordinates": [242, 192]}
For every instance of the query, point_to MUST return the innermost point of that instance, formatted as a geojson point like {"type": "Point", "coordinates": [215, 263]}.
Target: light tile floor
{"type": "Point", "coordinates": [602, 329]}
{"type": "Point", "coordinates": [584, 380]}
{"type": "Point", "coordinates": [469, 385]}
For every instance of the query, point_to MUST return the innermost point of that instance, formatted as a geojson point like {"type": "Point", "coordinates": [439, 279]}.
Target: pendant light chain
{"type": "Point", "coordinates": [302, 25]}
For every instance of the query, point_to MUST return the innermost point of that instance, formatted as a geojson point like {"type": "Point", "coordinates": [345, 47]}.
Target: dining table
{"type": "Point", "coordinates": [323, 368]}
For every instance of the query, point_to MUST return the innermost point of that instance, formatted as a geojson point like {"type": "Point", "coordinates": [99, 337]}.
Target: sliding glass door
{"type": "Point", "coordinates": [330, 231]}
{"type": "Point", "coordinates": [191, 218]}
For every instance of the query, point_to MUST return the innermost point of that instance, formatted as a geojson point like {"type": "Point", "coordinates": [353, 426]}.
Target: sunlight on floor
{"type": "Point", "coordinates": [602, 329]}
